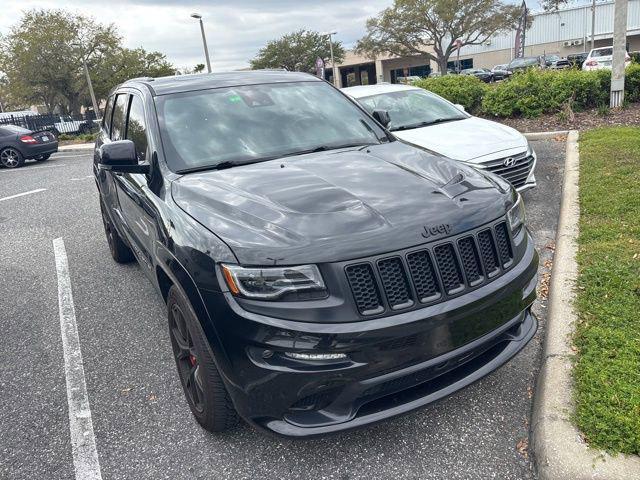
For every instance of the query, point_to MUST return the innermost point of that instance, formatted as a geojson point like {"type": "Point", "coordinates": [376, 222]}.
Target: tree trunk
{"type": "Point", "coordinates": [442, 64]}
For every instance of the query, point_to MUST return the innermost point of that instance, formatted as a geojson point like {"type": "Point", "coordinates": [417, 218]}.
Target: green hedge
{"type": "Point", "coordinates": [466, 90]}
{"type": "Point", "coordinates": [534, 92]}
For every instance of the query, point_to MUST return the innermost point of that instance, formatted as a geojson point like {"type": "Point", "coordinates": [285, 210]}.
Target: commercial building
{"type": "Point", "coordinates": [563, 32]}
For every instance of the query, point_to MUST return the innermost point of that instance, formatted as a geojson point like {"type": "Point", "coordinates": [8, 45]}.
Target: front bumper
{"type": "Point", "coordinates": [394, 363]}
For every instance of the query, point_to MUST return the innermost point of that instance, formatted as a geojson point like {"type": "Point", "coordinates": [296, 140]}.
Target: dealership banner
{"type": "Point", "coordinates": [518, 49]}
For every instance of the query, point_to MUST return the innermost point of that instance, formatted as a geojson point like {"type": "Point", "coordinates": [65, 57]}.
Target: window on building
{"type": "Point", "coordinates": [464, 64]}
{"type": "Point", "coordinates": [421, 71]}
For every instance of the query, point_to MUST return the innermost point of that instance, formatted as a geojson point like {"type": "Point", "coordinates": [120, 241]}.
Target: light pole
{"type": "Point", "coordinates": [333, 63]}
{"type": "Point", "coordinates": [619, 53]}
{"type": "Point", "coordinates": [593, 24]}
{"type": "Point", "coordinates": [93, 95]}
{"type": "Point", "coordinates": [89, 84]}
{"type": "Point", "coordinates": [204, 40]}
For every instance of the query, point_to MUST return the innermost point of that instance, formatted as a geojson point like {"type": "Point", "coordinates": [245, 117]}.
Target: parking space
{"type": "Point", "coordinates": [141, 422]}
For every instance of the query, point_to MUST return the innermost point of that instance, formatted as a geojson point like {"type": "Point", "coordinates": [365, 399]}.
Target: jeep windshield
{"type": "Point", "coordinates": [224, 127]}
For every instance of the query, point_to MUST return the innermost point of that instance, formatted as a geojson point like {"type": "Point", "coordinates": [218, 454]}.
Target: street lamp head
{"type": "Point", "coordinates": [326, 34]}
{"type": "Point", "coordinates": [196, 15]}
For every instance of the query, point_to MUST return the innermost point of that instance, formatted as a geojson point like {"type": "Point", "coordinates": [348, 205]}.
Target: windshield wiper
{"type": "Point", "coordinates": [424, 124]}
{"type": "Point", "coordinates": [217, 166]}
{"type": "Point", "coordinates": [324, 148]}
{"type": "Point", "coordinates": [231, 163]}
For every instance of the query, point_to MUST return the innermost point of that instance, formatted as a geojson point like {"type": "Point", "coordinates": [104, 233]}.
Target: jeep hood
{"type": "Point", "coordinates": [339, 205]}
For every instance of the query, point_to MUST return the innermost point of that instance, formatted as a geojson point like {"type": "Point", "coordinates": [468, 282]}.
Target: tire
{"type": "Point", "coordinates": [11, 158]}
{"type": "Point", "coordinates": [203, 387]}
{"type": "Point", "coordinates": [120, 251]}
{"type": "Point", "coordinates": [42, 158]}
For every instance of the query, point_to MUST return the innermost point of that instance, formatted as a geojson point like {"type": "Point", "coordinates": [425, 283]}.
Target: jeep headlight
{"type": "Point", "coordinates": [516, 215]}
{"type": "Point", "coordinates": [270, 283]}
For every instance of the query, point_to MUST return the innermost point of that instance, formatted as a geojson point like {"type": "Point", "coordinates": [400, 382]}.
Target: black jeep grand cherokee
{"type": "Point", "coordinates": [318, 274]}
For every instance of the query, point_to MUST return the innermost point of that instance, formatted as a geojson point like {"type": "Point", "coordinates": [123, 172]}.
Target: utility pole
{"type": "Point", "coordinates": [334, 69]}
{"type": "Point", "coordinates": [85, 53]}
{"type": "Point", "coordinates": [204, 40]}
{"type": "Point", "coordinates": [593, 24]}
{"type": "Point", "coordinates": [619, 53]}
{"type": "Point", "coordinates": [93, 95]}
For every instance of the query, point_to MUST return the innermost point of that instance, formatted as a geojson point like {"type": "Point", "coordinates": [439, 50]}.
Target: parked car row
{"type": "Point", "coordinates": [595, 59]}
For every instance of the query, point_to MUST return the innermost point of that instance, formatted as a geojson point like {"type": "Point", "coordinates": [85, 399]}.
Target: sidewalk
{"type": "Point", "coordinates": [78, 147]}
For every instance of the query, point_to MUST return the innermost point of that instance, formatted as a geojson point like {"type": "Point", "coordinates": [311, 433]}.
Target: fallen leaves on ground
{"type": "Point", "coordinates": [523, 447]}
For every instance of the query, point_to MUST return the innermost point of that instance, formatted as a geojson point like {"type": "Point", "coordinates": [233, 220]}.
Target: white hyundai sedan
{"type": "Point", "coordinates": [427, 120]}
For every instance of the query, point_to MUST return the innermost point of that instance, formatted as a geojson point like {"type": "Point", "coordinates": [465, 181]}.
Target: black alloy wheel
{"type": "Point", "coordinates": [204, 389]}
{"type": "Point", "coordinates": [186, 358]}
{"type": "Point", "coordinates": [11, 158]}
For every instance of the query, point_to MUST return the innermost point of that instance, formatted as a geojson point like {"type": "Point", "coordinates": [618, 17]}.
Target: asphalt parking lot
{"type": "Point", "coordinates": [141, 422]}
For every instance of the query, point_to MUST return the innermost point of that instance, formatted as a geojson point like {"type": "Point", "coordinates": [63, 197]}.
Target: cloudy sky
{"type": "Point", "coordinates": [235, 29]}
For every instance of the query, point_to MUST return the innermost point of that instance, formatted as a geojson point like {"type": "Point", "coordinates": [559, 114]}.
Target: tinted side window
{"type": "Point", "coordinates": [118, 124]}
{"type": "Point", "coordinates": [137, 128]}
{"type": "Point", "coordinates": [106, 119]}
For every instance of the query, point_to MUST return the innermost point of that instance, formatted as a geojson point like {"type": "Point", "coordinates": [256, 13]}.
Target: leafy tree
{"type": "Point", "coordinates": [42, 58]}
{"type": "Point", "coordinates": [124, 63]}
{"type": "Point", "coordinates": [297, 51]}
{"type": "Point", "coordinates": [554, 5]}
{"type": "Point", "coordinates": [431, 27]}
{"type": "Point", "coordinates": [199, 68]}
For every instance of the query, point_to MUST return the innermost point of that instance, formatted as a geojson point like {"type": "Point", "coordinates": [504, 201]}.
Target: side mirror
{"type": "Point", "coordinates": [120, 157]}
{"type": "Point", "coordinates": [382, 116]}
{"type": "Point", "coordinates": [459, 107]}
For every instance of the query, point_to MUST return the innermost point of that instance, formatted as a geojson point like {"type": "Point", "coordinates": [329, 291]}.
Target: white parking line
{"type": "Point", "coordinates": [83, 442]}
{"type": "Point", "coordinates": [22, 194]}
{"type": "Point", "coordinates": [28, 169]}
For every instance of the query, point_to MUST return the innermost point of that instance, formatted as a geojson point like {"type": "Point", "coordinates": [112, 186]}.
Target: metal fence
{"type": "Point", "coordinates": [69, 124]}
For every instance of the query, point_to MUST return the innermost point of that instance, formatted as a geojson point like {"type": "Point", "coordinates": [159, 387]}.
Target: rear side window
{"type": "Point", "coordinates": [12, 130]}
{"type": "Point", "coordinates": [602, 52]}
{"type": "Point", "coordinates": [119, 121]}
{"type": "Point", "coordinates": [106, 120]}
{"type": "Point", "coordinates": [137, 128]}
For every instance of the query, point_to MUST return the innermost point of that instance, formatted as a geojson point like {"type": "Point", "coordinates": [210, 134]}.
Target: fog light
{"type": "Point", "coordinates": [316, 356]}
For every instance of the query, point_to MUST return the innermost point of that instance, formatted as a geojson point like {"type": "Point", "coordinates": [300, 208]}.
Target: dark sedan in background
{"type": "Point", "coordinates": [482, 73]}
{"type": "Point", "coordinates": [18, 144]}
{"type": "Point", "coordinates": [500, 72]}
{"type": "Point", "coordinates": [523, 63]}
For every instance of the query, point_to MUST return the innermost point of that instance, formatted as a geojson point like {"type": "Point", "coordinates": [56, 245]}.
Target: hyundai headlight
{"type": "Point", "coordinates": [270, 283]}
{"type": "Point", "coordinates": [516, 215]}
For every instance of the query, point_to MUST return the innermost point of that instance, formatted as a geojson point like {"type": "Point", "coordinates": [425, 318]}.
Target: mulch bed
{"type": "Point", "coordinates": [586, 120]}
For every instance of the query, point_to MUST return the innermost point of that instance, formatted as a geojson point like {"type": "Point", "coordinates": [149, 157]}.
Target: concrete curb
{"type": "Point", "coordinates": [545, 135]}
{"type": "Point", "coordinates": [559, 451]}
{"type": "Point", "coordinates": [78, 147]}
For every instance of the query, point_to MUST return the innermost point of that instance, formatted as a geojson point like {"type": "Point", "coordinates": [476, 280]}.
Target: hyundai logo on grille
{"type": "Point", "coordinates": [509, 162]}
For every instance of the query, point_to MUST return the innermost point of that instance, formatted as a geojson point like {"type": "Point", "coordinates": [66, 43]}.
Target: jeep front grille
{"type": "Point", "coordinates": [431, 274]}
